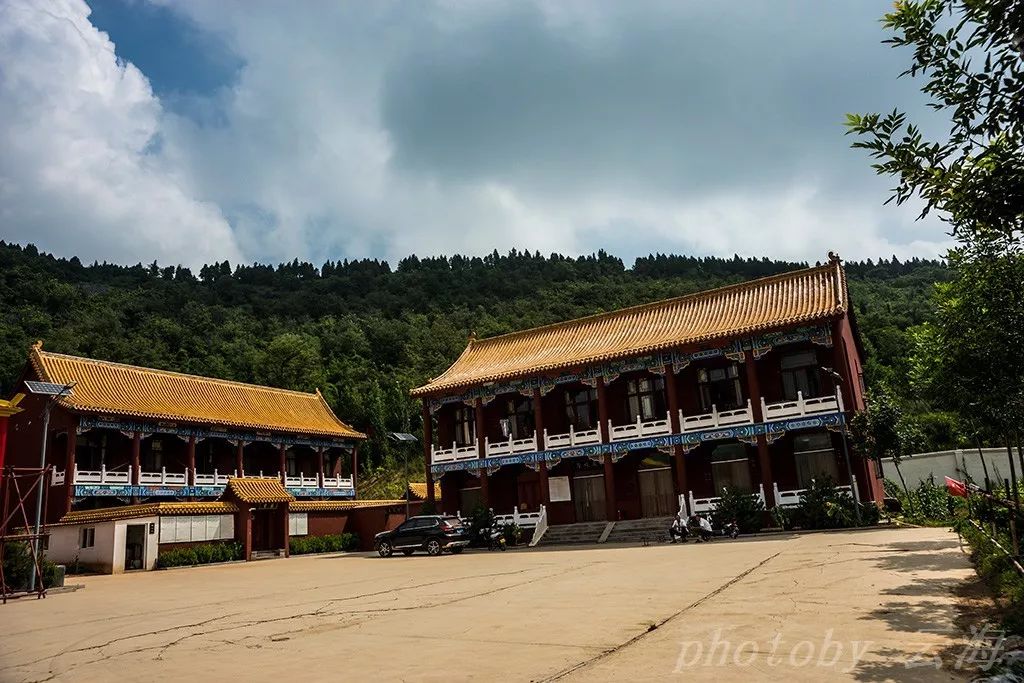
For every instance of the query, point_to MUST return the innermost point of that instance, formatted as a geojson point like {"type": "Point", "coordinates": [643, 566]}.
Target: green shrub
{"type": "Point", "coordinates": [201, 553]}
{"type": "Point", "coordinates": [741, 506]}
{"type": "Point", "coordinates": [332, 543]}
{"type": "Point", "coordinates": [823, 506]}
{"type": "Point", "coordinates": [513, 534]}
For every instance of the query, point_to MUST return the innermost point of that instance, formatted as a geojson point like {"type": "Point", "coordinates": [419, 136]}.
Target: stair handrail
{"type": "Point", "coordinates": [541, 528]}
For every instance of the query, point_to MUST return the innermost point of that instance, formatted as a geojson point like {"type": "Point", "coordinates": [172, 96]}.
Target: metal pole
{"type": "Point", "coordinates": [405, 466]}
{"type": "Point", "coordinates": [39, 495]}
{"type": "Point", "coordinates": [849, 467]}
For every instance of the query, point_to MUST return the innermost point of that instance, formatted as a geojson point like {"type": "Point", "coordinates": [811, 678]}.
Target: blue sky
{"type": "Point", "coordinates": [192, 131]}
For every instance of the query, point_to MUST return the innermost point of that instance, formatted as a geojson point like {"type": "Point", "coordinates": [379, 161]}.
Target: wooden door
{"type": "Point", "coordinates": [588, 497]}
{"type": "Point", "coordinates": [657, 495]}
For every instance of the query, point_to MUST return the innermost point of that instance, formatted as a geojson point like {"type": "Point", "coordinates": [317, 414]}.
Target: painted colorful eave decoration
{"type": "Point", "coordinates": [88, 422]}
{"type": "Point", "coordinates": [689, 441]}
{"type": "Point", "coordinates": [127, 491]}
{"type": "Point", "coordinates": [735, 350]}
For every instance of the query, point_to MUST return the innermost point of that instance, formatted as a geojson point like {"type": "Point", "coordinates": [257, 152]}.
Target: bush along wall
{"type": "Point", "coordinates": [304, 545]}
{"type": "Point", "coordinates": [202, 553]}
{"type": "Point", "coordinates": [18, 566]}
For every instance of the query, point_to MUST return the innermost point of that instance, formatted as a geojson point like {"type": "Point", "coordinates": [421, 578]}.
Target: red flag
{"type": "Point", "coordinates": [956, 488]}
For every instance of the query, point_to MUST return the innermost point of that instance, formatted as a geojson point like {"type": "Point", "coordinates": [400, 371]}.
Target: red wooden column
{"type": "Point", "coordinates": [538, 422]}
{"type": "Point", "coordinates": [191, 455]}
{"type": "Point", "coordinates": [240, 458]}
{"type": "Point", "coordinates": [355, 465]}
{"type": "Point", "coordinates": [428, 442]}
{"type": "Point", "coordinates": [485, 496]}
{"type": "Point", "coordinates": [69, 468]}
{"type": "Point", "coordinates": [136, 474]}
{"type": "Point", "coordinates": [136, 458]}
{"type": "Point", "coordinates": [764, 459]}
{"type": "Point", "coordinates": [245, 529]}
{"type": "Point", "coordinates": [611, 513]}
{"type": "Point", "coordinates": [679, 464]}
{"type": "Point", "coordinates": [282, 461]}
{"type": "Point", "coordinates": [284, 517]}
{"type": "Point", "coordinates": [320, 465]}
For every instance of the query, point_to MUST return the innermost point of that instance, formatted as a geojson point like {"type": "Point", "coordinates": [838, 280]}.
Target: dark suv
{"type": "Point", "coordinates": [433, 533]}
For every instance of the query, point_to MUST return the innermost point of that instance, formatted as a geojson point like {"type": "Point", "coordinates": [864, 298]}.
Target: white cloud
{"type": "Point", "coordinates": [82, 171]}
{"type": "Point", "coordinates": [382, 129]}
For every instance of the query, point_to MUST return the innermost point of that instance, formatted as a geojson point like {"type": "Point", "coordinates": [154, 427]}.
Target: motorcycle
{"type": "Point", "coordinates": [494, 537]}
{"type": "Point", "coordinates": [731, 529]}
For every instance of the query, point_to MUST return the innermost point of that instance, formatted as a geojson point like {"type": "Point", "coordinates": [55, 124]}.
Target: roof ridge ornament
{"type": "Point", "coordinates": [833, 257]}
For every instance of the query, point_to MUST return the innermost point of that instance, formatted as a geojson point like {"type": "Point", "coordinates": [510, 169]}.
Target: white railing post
{"type": "Point", "coordinates": [800, 403]}
{"type": "Point", "coordinates": [714, 415]}
{"type": "Point", "coordinates": [544, 444]}
{"type": "Point", "coordinates": [775, 492]}
{"type": "Point", "coordinates": [103, 473]}
{"type": "Point", "coordinates": [693, 504]}
{"type": "Point", "coordinates": [839, 400]}
{"type": "Point", "coordinates": [761, 494]}
{"type": "Point", "coordinates": [487, 445]}
{"type": "Point", "coordinates": [572, 435]}
{"type": "Point", "coordinates": [764, 409]}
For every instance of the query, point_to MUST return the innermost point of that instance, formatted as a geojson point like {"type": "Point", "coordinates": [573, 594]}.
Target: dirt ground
{"type": "Point", "coordinates": [865, 605]}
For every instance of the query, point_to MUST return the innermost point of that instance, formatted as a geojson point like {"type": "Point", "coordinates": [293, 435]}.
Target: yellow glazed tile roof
{"type": "Point", "coordinates": [334, 505]}
{"type": "Point", "coordinates": [418, 489]}
{"type": "Point", "coordinates": [258, 490]}
{"type": "Point", "coordinates": [116, 389]}
{"type": "Point", "coordinates": [783, 300]}
{"type": "Point", "coordinates": [147, 510]}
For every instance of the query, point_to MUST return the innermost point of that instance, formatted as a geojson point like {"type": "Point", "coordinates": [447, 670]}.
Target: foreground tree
{"type": "Point", "coordinates": [970, 53]}
{"type": "Point", "coordinates": [883, 430]}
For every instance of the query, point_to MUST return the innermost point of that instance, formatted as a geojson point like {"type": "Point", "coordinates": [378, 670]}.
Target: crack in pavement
{"type": "Point", "coordinates": [653, 627]}
{"type": "Point", "coordinates": [321, 611]}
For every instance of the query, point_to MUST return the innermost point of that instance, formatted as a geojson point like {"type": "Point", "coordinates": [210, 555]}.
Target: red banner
{"type": "Point", "coordinates": [956, 488]}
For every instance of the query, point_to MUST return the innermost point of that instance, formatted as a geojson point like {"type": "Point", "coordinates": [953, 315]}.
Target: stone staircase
{"type": "Point", "coordinates": [651, 529]}
{"type": "Point", "coordinates": [568, 534]}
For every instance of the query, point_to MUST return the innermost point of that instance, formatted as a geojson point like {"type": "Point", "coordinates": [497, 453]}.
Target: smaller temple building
{"type": "Point", "coordinates": [134, 436]}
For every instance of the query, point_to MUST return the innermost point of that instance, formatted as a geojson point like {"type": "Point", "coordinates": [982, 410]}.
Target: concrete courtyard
{"type": "Point", "coordinates": [832, 606]}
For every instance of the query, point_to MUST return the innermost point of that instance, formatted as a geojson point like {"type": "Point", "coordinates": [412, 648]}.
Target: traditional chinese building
{"type": "Point", "coordinates": [651, 409]}
{"type": "Point", "coordinates": [133, 435]}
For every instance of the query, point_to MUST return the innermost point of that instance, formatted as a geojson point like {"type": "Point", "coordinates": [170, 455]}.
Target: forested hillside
{"type": "Point", "coordinates": [364, 332]}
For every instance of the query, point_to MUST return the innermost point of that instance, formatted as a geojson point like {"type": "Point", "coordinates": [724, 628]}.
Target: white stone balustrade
{"type": "Point", "coordinates": [640, 429]}
{"type": "Point", "coordinates": [163, 478]}
{"type": "Point", "coordinates": [338, 482]}
{"type": "Point", "coordinates": [215, 479]}
{"type": "Point", "coordinates": [586, 437]}
{"type": "Point", "coordinates": [57, 478]}
{"type": "Point", "coordinates": [700, 506]}
{"type": "Point", "coordinates": [789, 498]}
{"type": "Point", "coordinates": [511, 446]}
{"type": "Point", "coordinates": [303, 482]}
{"type": "Point", "coordinates": [801, 407]}
{"type": "Point", "coordinates": [526, 520]}
{"type": "Point", "coordinates": [102, 476]}
{"type": "Point", "coordinates": [456, 452]}
{"type": "Point", "coordinates": [716, 419]}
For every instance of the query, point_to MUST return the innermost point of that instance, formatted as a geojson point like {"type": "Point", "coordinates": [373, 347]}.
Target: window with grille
{"type": "Point", "coordinates": [581, 408]}
{"type": "Point", "coordinates": [646, 398]}
{"type": "Point", "coordinates": [800, 373]}
{"type": "Point", "coordinates": [720, 387]}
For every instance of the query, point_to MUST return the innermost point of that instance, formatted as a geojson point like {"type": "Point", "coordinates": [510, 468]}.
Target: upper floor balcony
{"type": "Point", "coordinates": [122, 477]}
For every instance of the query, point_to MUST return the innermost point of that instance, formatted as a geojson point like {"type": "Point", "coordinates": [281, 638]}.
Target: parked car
{"type": "Point", "coordinates": [432, 533]}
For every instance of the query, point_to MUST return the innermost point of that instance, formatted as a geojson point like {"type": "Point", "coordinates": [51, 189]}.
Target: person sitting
{"type": "Point", "coordinates": [678, 530]}
{"type": "Point", "coordinates": [705, 528]}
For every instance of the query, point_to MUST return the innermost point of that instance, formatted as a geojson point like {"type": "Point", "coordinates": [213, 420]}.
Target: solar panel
{"type": "Point", "coordinates": [49, 388]}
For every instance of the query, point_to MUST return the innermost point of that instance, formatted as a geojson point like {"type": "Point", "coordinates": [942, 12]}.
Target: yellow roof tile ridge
{"type": "Point", "coordinates": [704, 293]}
{"type": "Point", "coordinates": [234, 383]}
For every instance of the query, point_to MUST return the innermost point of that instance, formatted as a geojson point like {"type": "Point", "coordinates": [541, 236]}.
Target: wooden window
{"type": "Point", "coordinates": [519, 421]}
{"type": "Point", "coordinates": [800, 373]}
{"type": "Point", "coordinates": [581, 408]}
{"type": "Point", "coordinates": [465, 425]}
{"type": "Point", "coordinates": [646, 398]}
{"type": "Point", "coordinates": [815, 458]}
{"type": "Point", "coordinates": [720, 387]}
{"type": "Point", "coordinates": [730, 468]}
{"type": "Point", "coordinates": [88, 539]}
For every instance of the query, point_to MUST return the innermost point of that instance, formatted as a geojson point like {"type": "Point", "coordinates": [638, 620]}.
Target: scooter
{"type": "Point", "coordinates": [731, 529]}
{"type": "Point", "coordinates": [495, 538]}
